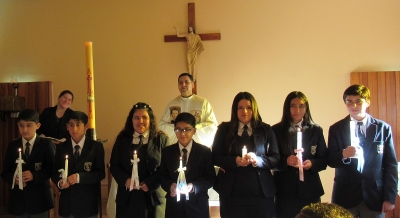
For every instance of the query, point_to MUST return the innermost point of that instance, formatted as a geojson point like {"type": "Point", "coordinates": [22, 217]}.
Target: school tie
{"type": "Point", "coordinates": [184, 157]}
{"type": "Point", "coordinates": [76, 153]}
{"type": "Point", "coordinates": [361, 135]}
{"type": "Point", "coordinates": [245, 134]}
{"type": "Point", "coordinates": [140, 140]}
{"type": "Point", "coordinates": [27, 150]}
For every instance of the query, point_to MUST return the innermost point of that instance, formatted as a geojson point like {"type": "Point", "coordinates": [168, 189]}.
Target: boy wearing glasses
{"type": "Point", "coordinates": [366, 173]}
{"type": "Point", "coordinates": [199, 172]}
{"type": "Point", "coordinates": [80, 194]}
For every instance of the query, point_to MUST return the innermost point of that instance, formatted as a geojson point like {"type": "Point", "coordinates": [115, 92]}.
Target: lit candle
{"type": "Point", "coordinates": [66, 165]}
{"type": "Point", "coordinates": [180, 162]}
{"type": "Point", "coordinates": [20, 164]}
{"type": "Point", "coordinates": [244, 151]}
{"type": "Point", "coordinates": [299, 139]}
{"type": "Point", "coordinates": [135, 173]}
{"type": "Point", "coordinates": [20, 156]}
{"type": "Point", "coordinates": [90, 90]}
{"type": "Point", "coordinates": [353, 133]}
{"type": "Point", "coordinates": [299, 153]}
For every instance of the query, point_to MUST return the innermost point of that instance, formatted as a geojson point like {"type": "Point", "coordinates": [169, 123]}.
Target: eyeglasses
{"type": "Point", "coordinates": [185, 130]}
{"type": "Point", "coordinates": [357, 102]}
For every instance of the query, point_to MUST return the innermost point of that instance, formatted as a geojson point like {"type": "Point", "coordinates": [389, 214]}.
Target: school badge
{"type": "Point", "coordinates": [87, 166]}
{"type": "Point", "coordinates": [38, 166]}
{"type": "Point", "coordinates": [379, 149]}
{"type": "Point", "coordinates": [313, 149]}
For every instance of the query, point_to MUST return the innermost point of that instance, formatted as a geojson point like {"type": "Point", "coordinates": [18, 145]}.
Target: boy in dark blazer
{"type": "Point", "coordinates": [199, 173]}
{"type": "Point", "coordinates": [34, 199]}
{"type": "Point", "coordinates": [369, 191]}
{"type": "Point", "coordinates": [79, 195]}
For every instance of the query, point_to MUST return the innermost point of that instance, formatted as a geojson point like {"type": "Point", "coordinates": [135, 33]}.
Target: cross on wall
{"type": "Point", "coordinates": [192, 23]}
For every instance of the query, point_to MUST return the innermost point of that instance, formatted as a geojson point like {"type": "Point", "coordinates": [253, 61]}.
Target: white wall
{"type": "Point", "coordinates": [268, 48]}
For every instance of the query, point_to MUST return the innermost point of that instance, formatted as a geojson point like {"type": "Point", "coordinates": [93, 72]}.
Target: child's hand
{"type": "Point", "coordinates": [72, 179]}
{"type": "Point", "coordinates": [63, 185]}
{"type": "Point", "coordinates": [173, 190]}
{"type": "Point", "coordinates": [190, 188]}
{"type": "Point", "coordinates": [144, 187]}
{"type": "Point", "coordinates": [242, 162]}
{"type": "Point", "coordinates": [27, 176]}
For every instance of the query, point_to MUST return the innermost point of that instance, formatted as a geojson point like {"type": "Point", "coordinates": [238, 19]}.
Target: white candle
{"type": "Point", "coordinates": [135, 156]}
{"type": "Point", "coordinates": [244, 151]}
{"type": "Point", "coordinates": [66, 165]}
{"type": "Point", "coordinates": [20, 158]}
{"type": "Point", "coordinates": [299, 139]}
{"type": "Point", "coordinates": [352, 133]}
{"type": "Point", "coordinates": [180, 162]}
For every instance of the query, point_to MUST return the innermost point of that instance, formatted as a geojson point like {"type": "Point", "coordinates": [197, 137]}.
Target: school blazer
{"type": "Point", "coordinates": [266, 149]}
{"type": "Point", "coordinates": [199, 171]}
{"type": "Point", "coordinates": [121, 166]}
{"type": "Point", "coordinates": [36, 196]}
{"type": "Point", "coordinates": [378, 180]}
{"type": "Point", "coordinates": [81, 199]}
{"type": "Point", "coordinates": [315, 150]}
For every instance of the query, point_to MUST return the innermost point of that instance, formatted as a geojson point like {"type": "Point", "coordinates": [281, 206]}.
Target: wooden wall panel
{"type": "Point", "coordinates": [385, 105]}
{"type": "Point", "coordinates": [37, 96]}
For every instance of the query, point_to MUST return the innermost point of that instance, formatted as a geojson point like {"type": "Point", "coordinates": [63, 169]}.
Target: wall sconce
{"type": "Point", "coordinates": [12, 104]}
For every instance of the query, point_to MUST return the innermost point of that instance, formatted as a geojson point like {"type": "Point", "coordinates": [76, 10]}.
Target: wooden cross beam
{"type": "Point", "coordinates": [192, 23]}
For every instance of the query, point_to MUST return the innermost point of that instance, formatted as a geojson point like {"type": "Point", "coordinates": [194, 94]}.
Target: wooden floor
{"type": "Point", "coordinates": [214, 212]}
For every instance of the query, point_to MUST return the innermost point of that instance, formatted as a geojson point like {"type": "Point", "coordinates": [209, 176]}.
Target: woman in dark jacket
{"type": "Point", "coordinates": [140, 134]}
{"type": "Point", "coordinates": [293, 194]}
{"type": "Point", "coordinates": [245, 184]}
{"type": "Point", "coordinates": [53, 120]}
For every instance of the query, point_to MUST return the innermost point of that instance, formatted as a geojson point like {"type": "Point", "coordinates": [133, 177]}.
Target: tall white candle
{"type": "Point", "coordinates": [20, 158]}
{"type": "Point", "coordinates": [135, 156]}
{"type": "Point", "coordinates": [353, 133]}
{"type": "Point", "coordinates": [180, 162]}
{"type": "Point", "coordinates": [299, 139]}
{"type": "Point", "coordinates": [66, 165]}
{"type": "Point", "coordinates": [244, 151]}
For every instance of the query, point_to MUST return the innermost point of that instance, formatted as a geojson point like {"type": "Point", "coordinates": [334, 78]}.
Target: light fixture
{"type": "Point", "coordinates": [12, 104]}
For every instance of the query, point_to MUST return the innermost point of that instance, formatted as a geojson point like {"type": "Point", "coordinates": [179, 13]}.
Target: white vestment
{"type": "Point", "coordinates": [201, 109]}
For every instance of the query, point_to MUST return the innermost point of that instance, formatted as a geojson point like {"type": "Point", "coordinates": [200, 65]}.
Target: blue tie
{"type": "Point", "coordinates": [361, 135]}
{"type": "Point", "coordinates": [76, 153]}
{"type": "Point", "coordinates": [27, 150]}
{"type": "Point", "coordinates": [184, 157]}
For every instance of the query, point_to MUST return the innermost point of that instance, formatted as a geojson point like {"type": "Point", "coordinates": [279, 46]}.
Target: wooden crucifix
{"type": "Point", "coordinates": [192, 23]}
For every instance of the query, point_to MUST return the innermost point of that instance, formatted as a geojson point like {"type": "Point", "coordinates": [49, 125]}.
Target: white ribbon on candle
{"type": "Point", "coordinates": [181, 185]}
{"type": "Point", "coordinates": [18, 171]}
{"type": "Point", "coordinates": [64, 172]}
{"type": "Point", "coordinates": [135, 173]}
{"type": "Point", "coordinates": [299, 152]}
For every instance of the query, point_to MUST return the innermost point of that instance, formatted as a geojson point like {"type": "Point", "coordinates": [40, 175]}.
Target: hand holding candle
{"type": "Point", "coordinates": [181, 185]}
{"type": "Point", "coordinates": [18, 171]}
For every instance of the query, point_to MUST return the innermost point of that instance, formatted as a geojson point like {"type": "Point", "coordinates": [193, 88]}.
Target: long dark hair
{"type": "Point", "coordinates": [128, 130]}
{"type": "Point", "coordinates": [287, 123]}
{"type": "Point", "coordinates": [234, 122]}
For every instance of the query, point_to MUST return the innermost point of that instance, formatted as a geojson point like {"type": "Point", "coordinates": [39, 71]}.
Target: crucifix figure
{"type": "Point", "coordinates": [195, 46]}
